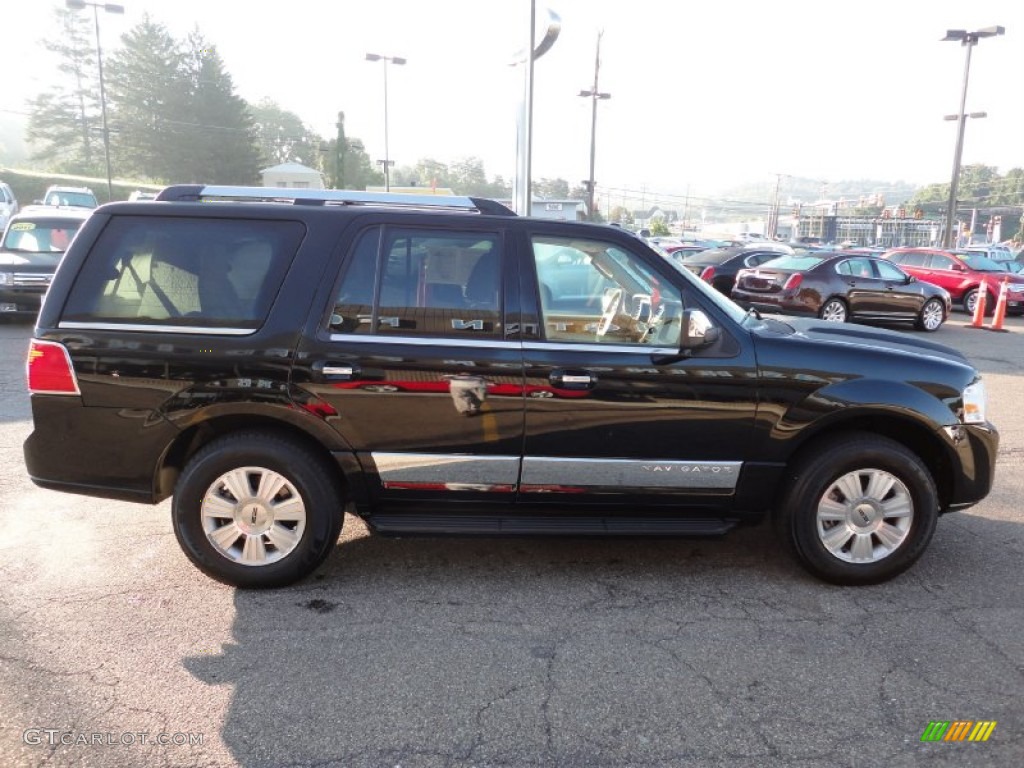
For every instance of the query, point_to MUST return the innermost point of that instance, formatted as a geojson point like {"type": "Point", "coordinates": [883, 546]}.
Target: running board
{"type": "Point", "coordinates": [546, 525]}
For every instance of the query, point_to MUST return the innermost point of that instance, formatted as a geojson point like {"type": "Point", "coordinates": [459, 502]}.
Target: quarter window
{"type": "Point", "coordinates": [186, 272]}
{"type": "Point", "coordinates": [595, 292]}
{"type": "Point", "coordinates": [421, 282]}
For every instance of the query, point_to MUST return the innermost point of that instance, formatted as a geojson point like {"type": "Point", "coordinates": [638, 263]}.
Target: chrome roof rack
{"type": "Point", "coordinates": [207, 193]}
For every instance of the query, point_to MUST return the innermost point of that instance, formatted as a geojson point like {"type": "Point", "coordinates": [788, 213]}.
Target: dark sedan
{"type": "Point", "coordinates": [719, 266]}
{"type": "Point", "coordinates": [842, 286]}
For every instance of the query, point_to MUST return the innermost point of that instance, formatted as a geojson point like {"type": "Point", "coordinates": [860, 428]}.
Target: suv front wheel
{"type": "Point", "coordinates": [257, 510]}
{"type": "Point", "coordinates": [859, 511]}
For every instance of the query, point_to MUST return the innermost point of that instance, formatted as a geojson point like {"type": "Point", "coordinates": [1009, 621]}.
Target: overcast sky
{"type": "Point", "coordinates": [703, 94]}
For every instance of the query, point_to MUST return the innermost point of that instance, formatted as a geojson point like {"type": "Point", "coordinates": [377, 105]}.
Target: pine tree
{"type": "Point", "coordinates": [147, 96]}
{"type": "Point", "coordinates": [221, 129]}
{"type": "Point", "coordinates": [65, 129]}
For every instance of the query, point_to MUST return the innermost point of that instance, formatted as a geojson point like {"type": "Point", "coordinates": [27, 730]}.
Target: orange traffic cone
{"type": "Point", "coordinates": [997, 321]}
{"type": "Point", "coordinates": [979, 308]}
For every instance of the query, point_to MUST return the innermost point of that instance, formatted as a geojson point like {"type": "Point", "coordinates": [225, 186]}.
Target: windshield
{"type": "Point", "coordinates": [981, 263]}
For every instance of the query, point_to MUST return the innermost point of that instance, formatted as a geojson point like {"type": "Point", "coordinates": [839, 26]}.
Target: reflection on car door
{"type": "Point", "coordinates": [413, 360]}
{"type": "Point", "coordinates": [607, 342]}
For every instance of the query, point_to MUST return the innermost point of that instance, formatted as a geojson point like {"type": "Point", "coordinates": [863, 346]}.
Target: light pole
{"type": "Point", "coordinates": [594, 95]}
{"type": "Point", "coordinates": [397, 60]}
{"type": "Point", "coordinates": [968, 40]}
{"type": "Point", "coordinates": [79, 5]}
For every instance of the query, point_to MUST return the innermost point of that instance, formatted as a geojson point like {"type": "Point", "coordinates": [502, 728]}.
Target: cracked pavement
{"type": "Point", "coordinates": [486, 652]}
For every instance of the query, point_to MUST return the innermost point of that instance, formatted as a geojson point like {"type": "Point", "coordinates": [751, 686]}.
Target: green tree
{"type": "Point", "coordinates": [147, 98]}
{"type": "Point", "coordinates": [219, 130]}
{"type": "Point", "coordinates": [621, 215]}
{"type": "Point", "coordinates": [659, 228]}
{"type": "Point", "coordinates": [65, 124]}
{"type": "Point", "coordinates": [552, 189]}
{"type": "Point", "coordinates": [358, 172]}
{"type": "Point", "coordinates": [284, 138]}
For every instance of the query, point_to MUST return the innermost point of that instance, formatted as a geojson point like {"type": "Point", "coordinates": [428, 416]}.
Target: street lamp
{"type": "Point", "coordinates": [594, 95]}
{"type": "Point", "coordinates": [968, 40]}
{"type": "Point", "coordinates": [398, 60]}
{"type": "Point", "coordinates": [79, 5]}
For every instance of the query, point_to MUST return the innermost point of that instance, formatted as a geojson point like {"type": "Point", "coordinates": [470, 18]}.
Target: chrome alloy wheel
{"type": "Point", "coordinates": [864, 516]}
{"type": "Point", "coordinates": [932, 315]}
{"type": "Point", "coordinates": [834, 311]}
{"type": "Point", "coordinates": [253, 516]}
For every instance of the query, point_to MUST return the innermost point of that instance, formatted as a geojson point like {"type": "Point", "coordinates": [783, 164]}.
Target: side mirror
{"type": "Point", "coordinates": [698, 330]}
{"type": "Point", "coordinates": [909, 279]}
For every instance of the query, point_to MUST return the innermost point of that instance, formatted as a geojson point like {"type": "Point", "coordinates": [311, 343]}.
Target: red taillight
{"type": "Point", "coordinates": [794, 282]}
{"type": "Point", "coordinates": [707, 274]}
{"type": "Point", "coordinates": [49, 369]}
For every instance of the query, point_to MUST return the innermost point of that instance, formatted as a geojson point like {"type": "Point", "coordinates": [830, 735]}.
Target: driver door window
{"type": "Point", "coordinates": [596, 292]}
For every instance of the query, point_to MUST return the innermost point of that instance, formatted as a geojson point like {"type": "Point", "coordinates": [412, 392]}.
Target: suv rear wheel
{"type": "Point", "coordinates": [859, 510]}
{"type": "Point", "coordinates": [254, 509]}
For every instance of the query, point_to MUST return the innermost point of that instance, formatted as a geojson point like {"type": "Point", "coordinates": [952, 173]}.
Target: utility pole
{"type": "Point", "coordinates": [594, 95]}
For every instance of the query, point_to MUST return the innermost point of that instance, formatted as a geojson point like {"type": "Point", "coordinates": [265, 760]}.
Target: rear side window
{"type": "Point", "coordinates": [208, 273]}
{"type": "Point", "coordinates": [421, 282]}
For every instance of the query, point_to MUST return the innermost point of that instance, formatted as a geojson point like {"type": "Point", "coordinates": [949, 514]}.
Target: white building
{"type": "Point", "coordinates": [292, 175]}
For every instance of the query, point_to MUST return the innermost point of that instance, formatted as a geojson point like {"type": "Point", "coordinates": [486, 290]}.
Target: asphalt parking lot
{"type": "Point", "coordinates": [115, 651]}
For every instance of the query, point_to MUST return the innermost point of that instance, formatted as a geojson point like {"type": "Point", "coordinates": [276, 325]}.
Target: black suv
{"type": "Point", "coordinates": [272, 358]}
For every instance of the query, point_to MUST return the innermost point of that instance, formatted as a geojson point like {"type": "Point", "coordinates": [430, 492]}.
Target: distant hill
{"type": "Point", "coordinates": [809, 190]}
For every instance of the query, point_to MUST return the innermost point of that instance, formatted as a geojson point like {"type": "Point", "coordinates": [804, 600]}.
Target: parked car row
{"type": "Point", "coordinates": [918, 285]}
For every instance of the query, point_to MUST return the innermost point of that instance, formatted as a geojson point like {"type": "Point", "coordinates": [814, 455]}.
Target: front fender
{"type": "Point", "coordinates": [931, 406]}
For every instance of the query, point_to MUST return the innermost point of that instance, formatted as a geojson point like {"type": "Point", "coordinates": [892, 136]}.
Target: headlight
{"type": "Point", "coordinates": [974, 403]}
{"type": "Point", "coordinates": [6, 278]}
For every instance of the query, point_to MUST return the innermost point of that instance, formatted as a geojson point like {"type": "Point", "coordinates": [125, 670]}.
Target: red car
{"type": "Point", "coordinates": [963, 274]}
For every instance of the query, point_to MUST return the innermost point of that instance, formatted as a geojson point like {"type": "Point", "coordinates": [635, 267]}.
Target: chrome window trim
{"type": "Point", "coordinates": [440, 341]}
{"type": "Point", "coordinates": [186, 330]}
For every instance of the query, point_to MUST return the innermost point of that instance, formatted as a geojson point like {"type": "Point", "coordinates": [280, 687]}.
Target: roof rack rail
{"type": "Point", "coordinates": [208, 193]}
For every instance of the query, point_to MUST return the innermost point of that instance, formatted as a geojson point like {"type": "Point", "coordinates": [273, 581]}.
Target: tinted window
{"type": "Point", "coordinates": [855, 268]}
{"type": "Point", "coordinates": [595, 292]}
{"type": "Point", "coordinates": [938, 261]}
{"type": "Point", "coordinates": [421, 282]}
{"type": "Point", "coordinates": [889, 272]}
{"type": "Point", "coordinates": [184, 272]}
{"type": "Point", "coordinates": [911, 259]}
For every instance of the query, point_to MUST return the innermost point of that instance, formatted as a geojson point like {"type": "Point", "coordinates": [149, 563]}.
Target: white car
{"type": "Point", "coordinates": [8, 204]}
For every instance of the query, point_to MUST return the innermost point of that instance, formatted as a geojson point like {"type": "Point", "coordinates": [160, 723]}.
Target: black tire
{"type": "Point", "coordinates": [856, 461]}
{"type": "Point", "coordinates": [972, 295]}
{"type": "Point", "coordinates": [834, 310]}
{"type": "Point", "coordinates": [933, 310]}
{"type": "Point", "coordinates": [292, 547]}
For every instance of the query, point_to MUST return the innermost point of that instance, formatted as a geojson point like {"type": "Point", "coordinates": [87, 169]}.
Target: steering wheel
{"type": "Point", "coordinates": [609, 308]}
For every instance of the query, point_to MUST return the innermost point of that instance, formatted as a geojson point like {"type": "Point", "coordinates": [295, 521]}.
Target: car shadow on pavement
{"type": "Point", "coordinates": [460, 652]}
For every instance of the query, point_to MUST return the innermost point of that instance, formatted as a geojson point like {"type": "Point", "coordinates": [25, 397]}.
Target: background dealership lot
{"type": "Point", "coordinates": [444, 652]}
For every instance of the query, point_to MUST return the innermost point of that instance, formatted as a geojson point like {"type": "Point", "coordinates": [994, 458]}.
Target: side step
{"type": "Point", "coordinates": [546, 525]}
